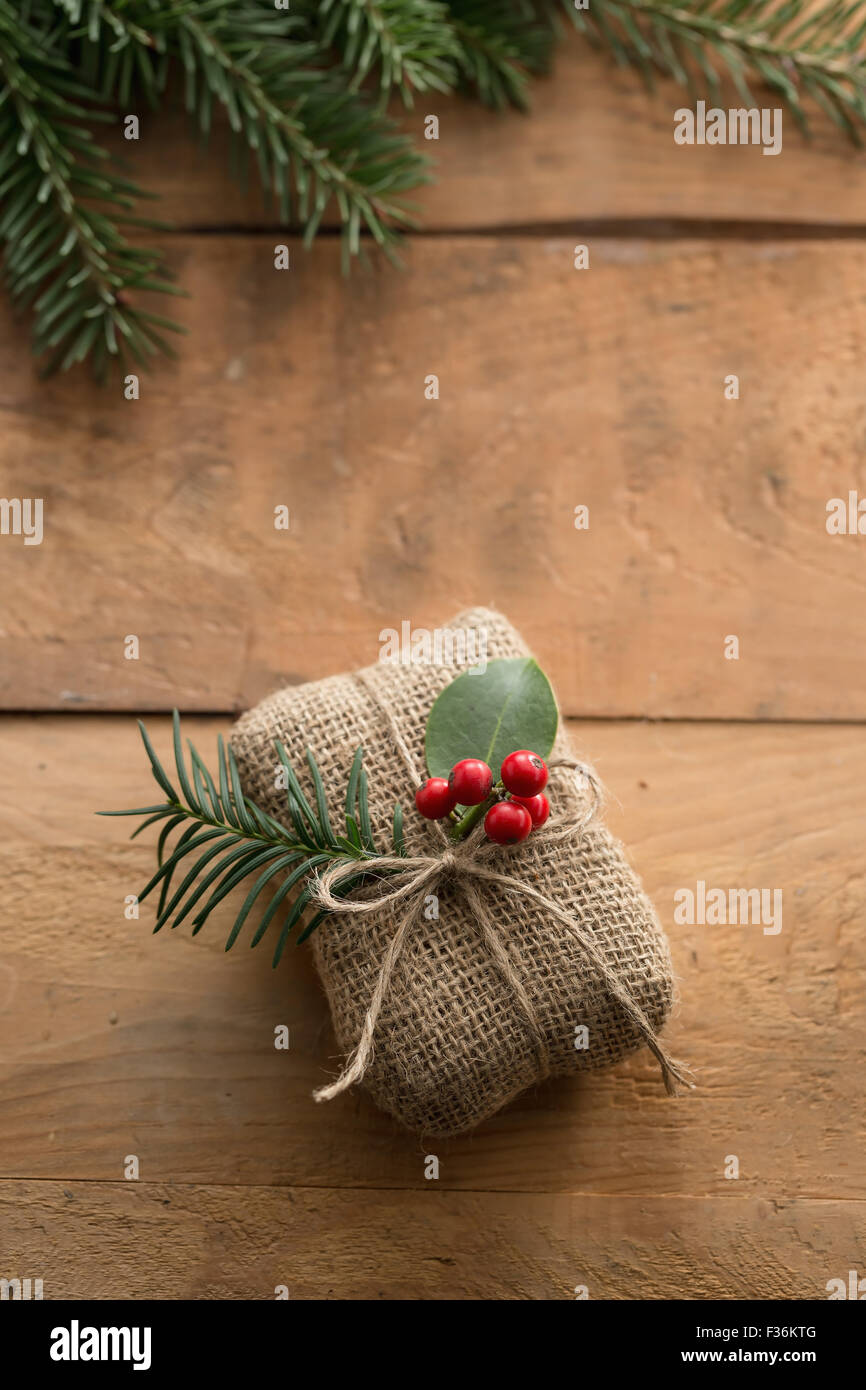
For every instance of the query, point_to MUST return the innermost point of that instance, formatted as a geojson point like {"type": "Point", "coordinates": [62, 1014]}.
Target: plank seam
{"type": "Point", "coordinates": [186, 1183]}
{"type": "Point", "coordinates": [623, 228]}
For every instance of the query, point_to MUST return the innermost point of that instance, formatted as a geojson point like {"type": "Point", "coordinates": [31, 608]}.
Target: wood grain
{"type": "Point", "coordinates": [115, 1043]}
{"type": "Point", "coordinates": [140, 1240]}
{"type": "Point", "coordinates": [707, 519]}
{"type": "Point", "coordinates": [597, 145]}
{"type": "Point", "coordinates": [559, 388]}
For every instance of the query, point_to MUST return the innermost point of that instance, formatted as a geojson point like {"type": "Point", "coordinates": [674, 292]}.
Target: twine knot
{"type": "Point", "coordinates": [410, 879]}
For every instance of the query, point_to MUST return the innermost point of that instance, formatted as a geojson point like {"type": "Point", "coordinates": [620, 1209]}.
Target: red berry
{"type": "Point", "coordinates": [435, 799]}
{"type": "Point", "coordinates": [537, 806]}
{"type": "Point", "coordinates": [524, 773]}
{"type": "Point", "coordinates": [507, 823]}
{"type": "Point", "coordinates": [470, 781]}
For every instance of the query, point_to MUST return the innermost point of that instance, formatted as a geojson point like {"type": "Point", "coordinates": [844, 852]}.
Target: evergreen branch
{"type": "Point", "coordinates": [411, 42]}
{"type": "Point", "coordinates": [299, 120]}
{"type": "Point", "coordinates": [500, 46]}
{"type": "Point", "coordinates": [791, 46]}
{"type": "Point", "coordinates": [230, 838]}
{"type": "Point", "coordinates": [315, 140]}
{"type": "Point", "coordinates": [297, 117]}
{"type": "Point", "coordinates": [123, 47]}
{"type": "Point", "coordinates": [65, 255]}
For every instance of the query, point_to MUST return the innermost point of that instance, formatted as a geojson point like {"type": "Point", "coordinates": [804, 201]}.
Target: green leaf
{"type": "Point", "coordinates": [235, 875]}
{"type": "Point", "coordinates": [365, 825]}
{"type": "Point", "coordinates": [230, 855]}
{"type": "Point", "coordinates": [298, 907]}
{"type": "Point", "coordinates": [353, 840]}
{"type": "Point", "coordinates": [242, 815]}
{"type": "Point", "coordinates": [283, 862]}
{"type": "Point", "coordinates": [175, 821]}
{"type": "Point", "coordinates": [298, 800]}
{"type": "Point", "coordinates": [225, 794]}
{"type": "Point", "coordinates": [294, 916]}
{"type": "Point", "coordinates": [397, 831]}
{"type": "Point", "coordinates": [352, 790]}
{"type": "Point", "coordinates": [185, 845]}
{"type": "Point", "coordinates": [179, 762]}
{"type": "Point", "coordinates": [343, 891]}
{"type": "Point", "coordinates": [171, 865]}
{"type": "Point", "coordinates": [201, 775]}
{"type": "Point", "coordinates": [200, 864]}
{"type": "Point", "coordinates": [151, 820]}
{"type": "Point", "coordinates": [156, 766]}
{"type": "Point", "coordinates": [311, 926]}
{"type": "Point", "coordinates": [321, 799]}
{"type": "Point", "coordinates": [488, 715]}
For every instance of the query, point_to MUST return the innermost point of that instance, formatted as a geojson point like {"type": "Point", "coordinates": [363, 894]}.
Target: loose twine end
{"type": "Point", "coordinates": [676, 1075]}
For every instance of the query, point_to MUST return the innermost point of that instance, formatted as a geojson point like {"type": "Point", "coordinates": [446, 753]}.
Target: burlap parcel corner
{"type": "Point", "coordinates": [452, 1046]}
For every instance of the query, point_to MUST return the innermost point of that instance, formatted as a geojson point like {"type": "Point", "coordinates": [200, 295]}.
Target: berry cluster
{"type": "Point", "coordinates": [518, 804]}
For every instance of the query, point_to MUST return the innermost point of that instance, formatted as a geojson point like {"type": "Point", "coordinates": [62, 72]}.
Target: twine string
{"type": "Point", "coordinates": [407, 880]}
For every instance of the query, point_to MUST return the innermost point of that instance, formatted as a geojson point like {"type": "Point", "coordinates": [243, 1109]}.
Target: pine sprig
{"type": "Point", "coordinates": [294, 86]}
{"type": "Point", "coordinates": [122, 46]}
{"type": "Point", "coordinates": [232, 838]}
{"type": "Point", "coordinates": [501, 47]}
{"type": "Point", "coordinates": [315, 141]}
{"type": "Point", "coordinates": [411, 44]}
{"type": "Point", "coordinates": [794, 47]}
{"type": "Point", "coordinates": [66, 256]}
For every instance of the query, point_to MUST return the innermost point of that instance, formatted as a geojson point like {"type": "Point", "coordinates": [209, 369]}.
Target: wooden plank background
{"type": "Point", "coordinates": [559, 388]}
{"type": "Point", "coordinates": [707, 518]}
{"type": "Point", "coordinates": [597, 147]}
{"type": "Point", "coordinates": [178, 1036]}
{"type": "Point", "coordinates": [194, 1241]}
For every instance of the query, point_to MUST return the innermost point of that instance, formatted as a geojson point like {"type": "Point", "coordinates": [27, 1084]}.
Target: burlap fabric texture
{"type": "Point", "coordinates": [452, 1046]}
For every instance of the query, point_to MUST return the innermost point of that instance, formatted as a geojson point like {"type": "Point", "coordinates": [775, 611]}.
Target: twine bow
{"type": "Point", "coordinates": [408, 879]}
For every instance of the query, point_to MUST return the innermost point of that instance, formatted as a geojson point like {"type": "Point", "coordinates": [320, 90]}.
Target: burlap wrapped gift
{"type": "Point", "coordinates": [452, 1041]}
